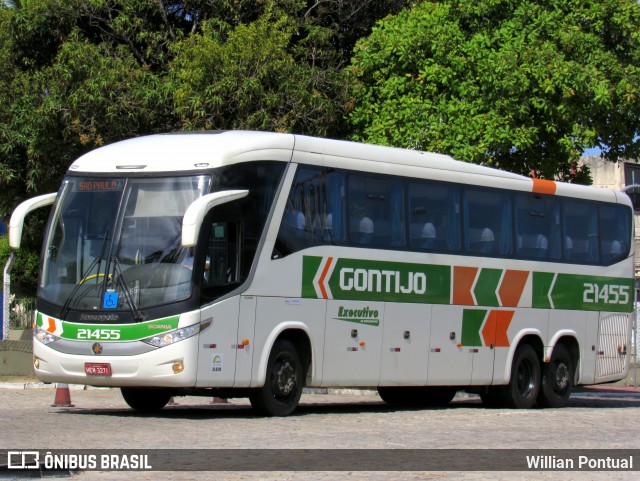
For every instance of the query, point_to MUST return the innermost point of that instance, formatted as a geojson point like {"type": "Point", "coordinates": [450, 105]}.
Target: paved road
{"type": "Point", "coordinates": [101, 419]}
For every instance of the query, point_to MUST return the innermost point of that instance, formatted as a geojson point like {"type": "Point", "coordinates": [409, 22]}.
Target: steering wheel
{"type": "Point", "coordinates": [93, 276]}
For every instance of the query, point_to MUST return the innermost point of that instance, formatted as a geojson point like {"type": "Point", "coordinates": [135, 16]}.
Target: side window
{"type": "Point", "coordinates": [487, 222]}
{"type": "Point", "coordinates": [376, 212]}
{"type": "Point", "coordinates": [537, 227]}
{"type": "Point", "coordinates": [613, 223]}
{"type": "Point", "coordinates": [314, 213]}
{"type": "Point", "coordinates": [580, 232]}
{"type": "Point", "coordinates": [434, 217]}
{"type": "Point", "coordinates": [221, 265]}
{"type": "Point", "coordinates": [222, 260]}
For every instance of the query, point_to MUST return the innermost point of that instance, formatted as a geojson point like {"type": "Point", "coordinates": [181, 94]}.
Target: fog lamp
{"type": "Point", "coordinates": [178, 367]}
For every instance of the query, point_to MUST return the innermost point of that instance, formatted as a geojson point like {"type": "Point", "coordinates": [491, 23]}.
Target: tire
{"type": "Point", "coordinates": [146, 400]}
{"type": "Point", "coordinates": [524, 384]}
{"type": "Point", "coordinates": [284, 382]}
{"type": "Point", "coordinates": [417, 396]}
{"type": "Point", "coordinates": [396, 396]}
{"type": "Point", "coordinates": [557, 379]}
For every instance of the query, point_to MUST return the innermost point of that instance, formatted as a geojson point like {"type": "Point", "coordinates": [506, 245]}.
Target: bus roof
{"type": "Point", "coordinates": [198, 151]}
{"type": "Point", "coordinates": [179, 152]}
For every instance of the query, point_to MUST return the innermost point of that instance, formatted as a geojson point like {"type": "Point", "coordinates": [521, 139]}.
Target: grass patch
{"type": "Point", "coordinates": [20, 379]}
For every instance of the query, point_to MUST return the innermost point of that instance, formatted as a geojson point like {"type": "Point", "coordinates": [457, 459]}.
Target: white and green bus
{"type": "Point", "coordinates": [245, 264]}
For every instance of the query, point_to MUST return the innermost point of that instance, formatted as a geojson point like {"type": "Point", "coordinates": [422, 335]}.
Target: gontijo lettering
{"type": "Point", "coordinates": [375, 280]}
{"type": "Point", "coordinates": [370, 280]}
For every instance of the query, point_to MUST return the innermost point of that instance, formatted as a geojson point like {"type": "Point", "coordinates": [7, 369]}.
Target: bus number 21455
{"type": "Point", "coordinates": [607, 294]}
{"type": "Point", "coordinates": [99, 334]}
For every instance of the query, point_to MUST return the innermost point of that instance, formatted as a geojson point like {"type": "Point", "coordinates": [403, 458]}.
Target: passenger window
{"type": "Point", "coordinates": [580, 232]}
{"type": "Point", "coordinates": [434, 217]}
{"type": "Point", "coordinates": [376, 212]}
{"type": "Point", "coordinates": [538, 233]}
{"type": "Point", "coordinates": [487, 222]}
{"type": "Point", "coordinates": [614, 223]}
{"type": "Point", "coordinates": [314, 213]}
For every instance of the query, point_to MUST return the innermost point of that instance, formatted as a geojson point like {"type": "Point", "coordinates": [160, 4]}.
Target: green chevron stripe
{"type": "Point", "coordinates": [472, 320]}
{"type": "Point", "coordinates": [310, 266]}
{"type": "Point", "coordinates": [486, 287]}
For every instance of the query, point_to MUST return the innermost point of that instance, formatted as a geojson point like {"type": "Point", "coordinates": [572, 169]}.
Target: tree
{"type": "Point", "coordinates": [81, 73]}
{"type": "Point", "coordinates": [248, 79]}
{"type": "Point", "coordinates": [63, 98]}
{"type": "Point", "coordinates": [520, 85]}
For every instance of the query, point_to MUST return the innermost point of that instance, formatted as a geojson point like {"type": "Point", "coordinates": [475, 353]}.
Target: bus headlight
{"type": "Point", "coordinates": [177, 335]}
{"type": "Point", "coordinates": [45, 337]}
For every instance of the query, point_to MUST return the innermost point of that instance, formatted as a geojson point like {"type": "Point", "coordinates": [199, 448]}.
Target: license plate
{"type": "Point", "coordinates": [97, 369]}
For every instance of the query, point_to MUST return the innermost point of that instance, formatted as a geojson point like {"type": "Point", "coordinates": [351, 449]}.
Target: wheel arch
{"type": "Point", "coordinates": [568, 339]}
{"type": "Point", "coordinates": [532, 337]}
{"type": "Point", "coordinates": [299, 335]}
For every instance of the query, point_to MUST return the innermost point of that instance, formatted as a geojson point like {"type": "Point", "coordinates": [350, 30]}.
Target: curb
{"type": "Point", "coordinates": [617, 389]}
{"type": "Point", "coordinates": [306, 390]}
{"type": "Point", "coordinates": [42, 385]}
{"type": "Point", "coordinates": [588, 390]}
{"type": "Point", "coordinates": [339, 391]}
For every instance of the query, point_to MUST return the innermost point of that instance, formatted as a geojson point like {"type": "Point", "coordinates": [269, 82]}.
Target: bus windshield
{"type": "Point", "coordinates": [115, 243]}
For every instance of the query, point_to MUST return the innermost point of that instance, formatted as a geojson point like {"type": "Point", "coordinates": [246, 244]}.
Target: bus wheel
{"type": "Point", "coordinates": [394, 395]}
{"type": "Point", "coordinates": [438, 395]}
{"type": "Point", "coordinates": [283, 386]}
{"type": "Point", "coordinates": [146, 400]}
{"type": "Point", "coordinates": [523, 388]}
{"type": "Point", "coordinates": [557, 379]}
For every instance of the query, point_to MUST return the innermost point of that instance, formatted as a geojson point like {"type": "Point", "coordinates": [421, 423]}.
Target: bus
{"type": "Point", "coordinates": [252, 264]}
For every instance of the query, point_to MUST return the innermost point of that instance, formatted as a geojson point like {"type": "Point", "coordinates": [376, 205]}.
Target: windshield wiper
{"type": "Point", "coordinates": [117, 271]}
{"type": "Point", "coordinates": [97, 261]}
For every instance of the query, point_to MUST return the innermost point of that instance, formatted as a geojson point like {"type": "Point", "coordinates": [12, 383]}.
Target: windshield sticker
{"type": "Point", "coordinates": [110, 300]}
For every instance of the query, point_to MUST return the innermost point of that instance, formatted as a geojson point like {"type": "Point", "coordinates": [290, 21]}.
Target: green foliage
{"type": "Point", "coordinates": [249, 80]}
{"type": "Point", "coordinates": [521, 85]}
{"type": "Point", "coordinates": [81, 73]}
{"type": "Point", "coordinates": [78, 74]}
{"type": "Point", "coordinates": [24, 274]}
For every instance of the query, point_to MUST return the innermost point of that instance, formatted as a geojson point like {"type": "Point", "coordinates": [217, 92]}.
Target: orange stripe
{"type": "Point", "coordinates": [463, 278]}
{"type": "Point", "coordinates": [495, 329]}
{"type": "Point", "coordinates": [512, 287]}
{"type": "Point", "coordinates": [541, 186]}
{"type": "Point", "coordinates": [323, 276]}
{"type": "Point", "coordinates": [52, 325]}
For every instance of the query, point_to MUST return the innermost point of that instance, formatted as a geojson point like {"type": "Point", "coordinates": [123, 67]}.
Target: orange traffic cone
{"type": "Point", "coordinates": [63, 396]}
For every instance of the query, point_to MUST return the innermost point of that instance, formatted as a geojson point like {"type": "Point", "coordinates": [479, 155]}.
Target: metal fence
{"type": "Point", "coordinates": [21, 311]}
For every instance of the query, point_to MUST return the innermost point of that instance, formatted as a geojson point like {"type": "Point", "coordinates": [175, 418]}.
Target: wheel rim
{"type": "Point", "coordinates": [283, 378]}
{"type": "Point", "coordinates": [562, 377]}
{"type": "Point", "coordinates": [526, 382]}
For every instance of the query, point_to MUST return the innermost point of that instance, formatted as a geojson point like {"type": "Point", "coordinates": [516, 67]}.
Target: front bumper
{"type": "Point", "coordinates": [154, 368]}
